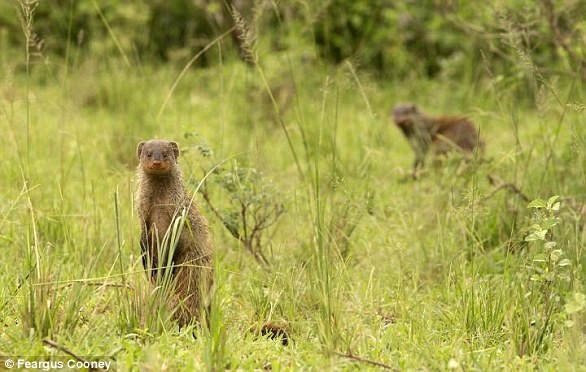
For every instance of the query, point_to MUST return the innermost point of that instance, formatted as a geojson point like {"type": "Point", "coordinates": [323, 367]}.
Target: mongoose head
{"type": "Point", "coordinates": [403, 114]}
{"type": "Point", "coordinates": [404, 110]}
{"type": "Point", "coordinates": [157, 157]}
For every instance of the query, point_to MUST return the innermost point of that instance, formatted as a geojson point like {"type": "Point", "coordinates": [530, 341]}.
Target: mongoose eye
{"type": "Point", "coordinates": [149, 155]}
{"type": "Point", "coordinates": [165, 155]}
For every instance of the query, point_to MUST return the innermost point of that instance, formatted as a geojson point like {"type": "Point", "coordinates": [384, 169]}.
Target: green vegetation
{"type": "Point", "coordinates": [361, 265]}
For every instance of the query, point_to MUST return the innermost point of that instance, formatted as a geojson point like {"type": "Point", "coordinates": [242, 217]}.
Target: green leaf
{"type": "Point", "coordinates": [548, 223]}
{"type": "Point", "coordinates": [565, 262]}
{"type": "Point", "coordinates": [550, 245]}
{"type": "Point", "coordinates": [551, 201]}
{"type": "Point", "coordinates": [537, 203]}
{"type": "Point", "coordinates": [536, 235]}
{"type": "Point", "coordinates": [540, 258]}
{"type": "Point", "coordinates": [555, 255]}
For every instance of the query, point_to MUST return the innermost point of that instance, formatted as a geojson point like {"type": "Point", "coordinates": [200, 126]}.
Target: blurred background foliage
{"type": "Point", "coordinates": [394, 39]}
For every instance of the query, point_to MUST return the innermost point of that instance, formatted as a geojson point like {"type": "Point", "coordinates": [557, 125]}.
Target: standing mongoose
{"type": "Point", "coordinates": [171, 223]}
{"type": "Point", "coordinates": [442, 133]}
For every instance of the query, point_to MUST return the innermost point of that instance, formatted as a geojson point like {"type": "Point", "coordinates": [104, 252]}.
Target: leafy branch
{"type": "Point", "coordinates": [255, 205]}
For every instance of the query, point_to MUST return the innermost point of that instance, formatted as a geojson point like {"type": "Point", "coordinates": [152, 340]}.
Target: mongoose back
{"type": "Point", "coordinates": [162, 201]}
{"type": "Point", "coordinates": [441, 133]}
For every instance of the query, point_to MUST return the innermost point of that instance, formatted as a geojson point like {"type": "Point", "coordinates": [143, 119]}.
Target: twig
{"type": "Point", "coordinates": [207, 199]}
{"type": "Point", "coordinates": [500, 184]}
{"type": "Point", "coordinates": [62, 348]}
{"type": "Point", "coordinates": [100, 284]}
{"type": "Point", "coordinates": [357, 358]}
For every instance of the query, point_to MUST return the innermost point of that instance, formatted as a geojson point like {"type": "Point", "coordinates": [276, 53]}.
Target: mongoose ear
{"type": "Point", "coordinates": [139, 149]}
{"type": "Point", "coordinates": [175, 148]}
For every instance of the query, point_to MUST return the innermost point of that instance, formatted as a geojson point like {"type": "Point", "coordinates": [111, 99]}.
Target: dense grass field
{"type": "Point", "coordinates": [365, 267]}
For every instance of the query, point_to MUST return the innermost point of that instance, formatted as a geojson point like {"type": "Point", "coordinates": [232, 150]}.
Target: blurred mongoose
{"type": "Point", "coordinates": [174, 234]}
{"type": "Point", "coordinates": [441, 133]}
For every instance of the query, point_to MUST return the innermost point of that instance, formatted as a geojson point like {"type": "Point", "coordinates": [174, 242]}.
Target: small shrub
{"type": "Point", "coordinates": [541, 306]}
{"type": "Point", "coordinates": [254, 203]}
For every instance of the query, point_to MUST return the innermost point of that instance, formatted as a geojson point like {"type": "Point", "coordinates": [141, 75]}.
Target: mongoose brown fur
{"type": "Point", "coordinates": [441, 133]}
{"type": "Point", "coordinates": [161, 201]}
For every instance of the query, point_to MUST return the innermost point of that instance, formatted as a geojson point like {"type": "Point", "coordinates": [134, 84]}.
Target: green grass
{"type": "Point", "coordinates": [425, 274]}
